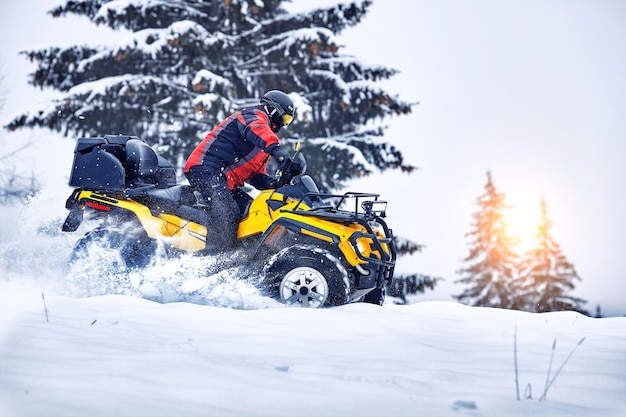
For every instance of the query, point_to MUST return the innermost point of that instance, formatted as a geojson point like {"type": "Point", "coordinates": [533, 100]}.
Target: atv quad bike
{"type": "Point", "coordinates": [310, 248]}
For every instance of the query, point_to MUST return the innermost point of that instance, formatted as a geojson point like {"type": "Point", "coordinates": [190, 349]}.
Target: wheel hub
{"type": "Point", "coordinates": [305, 286]}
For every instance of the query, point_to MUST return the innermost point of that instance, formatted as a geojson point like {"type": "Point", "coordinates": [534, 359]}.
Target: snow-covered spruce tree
{"type": "Point", "coordinates": [187, 64]}
{"type": "Point", "coordinates": [545, 276]}
{"type": "Point", "coordinates": [490, 269]}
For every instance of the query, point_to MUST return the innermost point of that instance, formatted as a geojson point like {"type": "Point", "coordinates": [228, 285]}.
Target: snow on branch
{"type": "Point", "coordinates": [336, 80]}
{"type": "Point", "coordinates": [100, 87]}
{"type": "Point", "coordinates": [212, 103]}
{"type": "Point", "coordinates": [114, 11]}
{"type": "Point", "coordinates": [356, 69]}
{"type": "Point", "coordinates": [359, 89]}
{"type": "Point", "coordinates": [152, 41]}
{"type": "Point", "coordinates": [341, 143]}
{"type": "Point", "coordinates": [206, 80]}
{"type": "Point", "coordinates": [335, 18]}
{"type": "Point", "coordinates": [287, 40]}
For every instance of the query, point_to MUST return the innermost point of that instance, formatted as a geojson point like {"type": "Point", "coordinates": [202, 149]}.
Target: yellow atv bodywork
{"type": "Point", "coordinates": [189, 236]}
{"type": "Point", "coordinates": [261, 216]}
{"type": "Point", "coordinates": [178, 232]}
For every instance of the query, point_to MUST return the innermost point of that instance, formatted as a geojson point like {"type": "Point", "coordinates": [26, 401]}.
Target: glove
{"type": "Point", "coordinates": [282, 157]}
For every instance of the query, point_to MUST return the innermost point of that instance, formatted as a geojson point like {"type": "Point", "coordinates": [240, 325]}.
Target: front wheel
{"type": "Point", "coordinates": [306, 275]}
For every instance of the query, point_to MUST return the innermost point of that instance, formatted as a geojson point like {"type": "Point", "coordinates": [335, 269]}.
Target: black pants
{"type": "Point", "coordinates": [223, 211]}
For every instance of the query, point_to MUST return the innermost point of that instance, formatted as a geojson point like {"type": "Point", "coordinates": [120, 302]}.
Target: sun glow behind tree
{"type": "Point", "coordinates": [523, 220]}
{"type": "Point", "coordinates": [513, 260]}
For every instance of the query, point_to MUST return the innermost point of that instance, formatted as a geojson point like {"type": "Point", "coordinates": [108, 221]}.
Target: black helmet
{"type": "Point", "coordinates": [280, 107]}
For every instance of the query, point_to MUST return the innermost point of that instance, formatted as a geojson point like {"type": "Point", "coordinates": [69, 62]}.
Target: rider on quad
{"type": "Point", "coordinates": [235, 152]}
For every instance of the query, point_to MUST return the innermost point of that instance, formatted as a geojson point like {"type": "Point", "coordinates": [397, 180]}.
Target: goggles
{"type": "Point", "coordinates": [287, 119]}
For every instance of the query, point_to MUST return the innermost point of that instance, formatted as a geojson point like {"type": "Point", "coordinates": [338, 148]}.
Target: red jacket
{"type": "Point", "coordinates": [241, 145]}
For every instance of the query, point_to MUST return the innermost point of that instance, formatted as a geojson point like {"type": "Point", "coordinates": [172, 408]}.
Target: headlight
{"type": "Point", "coordinates": [362, 248]}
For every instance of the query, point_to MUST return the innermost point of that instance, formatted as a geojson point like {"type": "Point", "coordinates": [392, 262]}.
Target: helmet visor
{"type": "Point", "coordinates": [287, 119]}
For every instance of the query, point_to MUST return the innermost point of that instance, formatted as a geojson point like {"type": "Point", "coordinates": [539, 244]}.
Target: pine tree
{"type": "Point", "coordinates": [187, 64]}
{"type": "Point", "coordinates": [490, 270]}
{"type": "Point", "coordinates": [546, 277]}
{"type": "Point", "coordinates": [599, 314]}
{"type": "Point", "coordinates": [407, 285]}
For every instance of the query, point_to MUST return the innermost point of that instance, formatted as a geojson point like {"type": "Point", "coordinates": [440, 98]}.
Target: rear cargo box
{"type": "Point", "coordinates": [103, 164]}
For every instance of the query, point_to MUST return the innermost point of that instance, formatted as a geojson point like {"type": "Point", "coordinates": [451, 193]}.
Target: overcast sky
{"type": "Point", "coordinates": [533, 91]}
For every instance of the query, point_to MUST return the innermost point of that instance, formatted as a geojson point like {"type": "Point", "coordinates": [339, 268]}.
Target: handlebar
{"type": "Point", "coordinates": [296, 167]}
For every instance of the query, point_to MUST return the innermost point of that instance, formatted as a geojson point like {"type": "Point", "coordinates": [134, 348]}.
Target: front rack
{"type": "Point", "coordinates": [368, 209]}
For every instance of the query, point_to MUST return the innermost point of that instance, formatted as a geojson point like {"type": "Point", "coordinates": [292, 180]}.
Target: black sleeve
{"type": "Point", "coordinates": [261, 182]}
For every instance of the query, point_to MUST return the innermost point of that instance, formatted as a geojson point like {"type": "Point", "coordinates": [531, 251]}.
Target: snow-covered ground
{"type": "Point", "coordinates": [73, 346]}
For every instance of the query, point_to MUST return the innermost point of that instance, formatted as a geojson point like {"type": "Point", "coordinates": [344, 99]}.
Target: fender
{"type": "Point", "coordinates": [180, 233]}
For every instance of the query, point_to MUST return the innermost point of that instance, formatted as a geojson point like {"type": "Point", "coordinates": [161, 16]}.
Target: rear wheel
{"type": "Point", "coordinates": [306, 275]}
{"type": "Point", "coordinates": [114, 250]}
